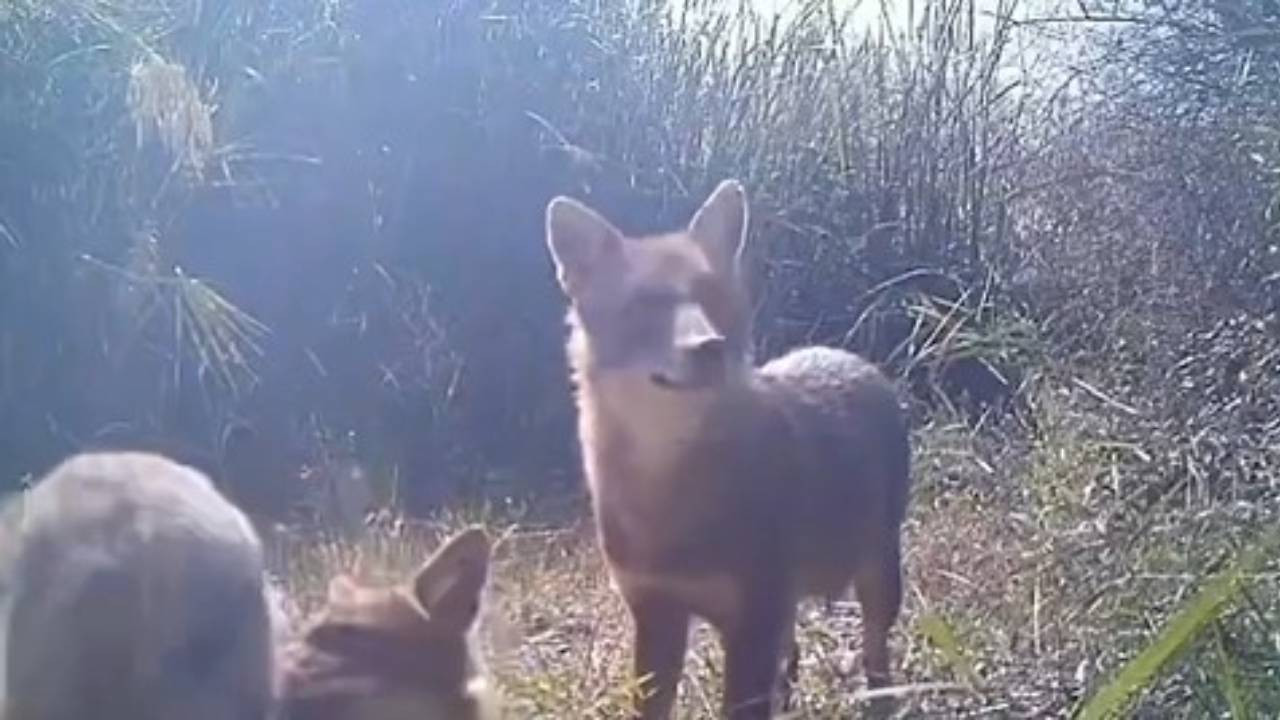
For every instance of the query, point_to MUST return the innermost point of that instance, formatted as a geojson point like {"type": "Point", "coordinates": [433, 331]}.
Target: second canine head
{"type": "Point", "coordinates": [379, 653]}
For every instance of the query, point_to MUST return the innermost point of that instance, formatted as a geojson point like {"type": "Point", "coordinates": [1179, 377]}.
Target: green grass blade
{"type": "Point", "coordinates": [939, 632]}
{"type": "Point", "coordinates": [1229, 679]}
{"type": "Point", "coordinates": [1176, 635]}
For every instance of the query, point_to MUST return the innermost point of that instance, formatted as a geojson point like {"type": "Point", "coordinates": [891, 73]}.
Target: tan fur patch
{"type": "Point", "coordinates": [716, 596]}
{"type": "Point", "coordinates": [658, 424]}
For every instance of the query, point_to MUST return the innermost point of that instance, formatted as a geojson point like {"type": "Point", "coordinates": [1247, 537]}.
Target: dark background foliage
{"type": "Point", "coordinates": [320, 221]}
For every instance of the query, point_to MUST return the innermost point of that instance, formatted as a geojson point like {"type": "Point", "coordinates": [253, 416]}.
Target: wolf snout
{"type": "Point", "coordinates": [697, 363]}
{"type": "Point", "coordinates": [709, 348]}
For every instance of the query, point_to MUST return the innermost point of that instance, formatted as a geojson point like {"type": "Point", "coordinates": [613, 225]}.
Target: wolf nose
{"type": "Point", "coordinates": [708, 347]}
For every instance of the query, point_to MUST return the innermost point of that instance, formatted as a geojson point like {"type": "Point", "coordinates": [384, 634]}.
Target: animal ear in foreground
{"type": "Point", "coordinates": [449, 585]}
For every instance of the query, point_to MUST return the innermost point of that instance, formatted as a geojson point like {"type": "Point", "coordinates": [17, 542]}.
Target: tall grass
{"type": "Point", "coordinates": [293, 162]}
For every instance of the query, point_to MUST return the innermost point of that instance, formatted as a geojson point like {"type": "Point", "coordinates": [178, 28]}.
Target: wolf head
{"type": "Point", "coordinates": [396, 653]}
{"type": "Point", "coordinates": [670, 310]}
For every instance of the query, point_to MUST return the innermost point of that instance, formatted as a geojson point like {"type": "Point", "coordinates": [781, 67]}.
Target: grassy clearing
{"type": "Point", "coordinates": [1031, 582]}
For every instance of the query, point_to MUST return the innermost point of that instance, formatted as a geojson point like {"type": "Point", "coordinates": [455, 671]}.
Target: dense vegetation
{"type": "Point", "coordinates": [317, 224]}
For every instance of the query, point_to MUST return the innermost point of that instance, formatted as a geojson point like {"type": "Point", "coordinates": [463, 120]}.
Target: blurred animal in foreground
{"type": "Point", "coordinates": [137, 591]}
{"type": "Point", "coordinates": [132, 589]}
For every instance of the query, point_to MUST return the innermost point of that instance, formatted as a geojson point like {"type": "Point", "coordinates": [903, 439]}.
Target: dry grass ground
{"type": "Point", "coordinates": [1032, 576]}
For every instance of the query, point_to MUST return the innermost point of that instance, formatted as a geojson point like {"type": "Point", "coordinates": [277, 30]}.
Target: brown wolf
{"type": "Point", "coordinates": [135, 592]}
{"type": "Point", "coordinates": [721, 490]}
{"type": "Point", "coordinates": [401, 653]}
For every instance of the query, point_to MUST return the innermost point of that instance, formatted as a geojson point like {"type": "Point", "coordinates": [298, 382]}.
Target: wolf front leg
{"type": "Point", "coordinates": [753, 652]}
{"type": "Point", "coordinates": [661, 637]}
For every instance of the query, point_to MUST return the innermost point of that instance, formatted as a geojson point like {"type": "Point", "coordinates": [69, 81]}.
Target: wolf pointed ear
{"type": "Point", "coordinates": [720, 225]}
{"type": "Point", "coordinates": [450, 583]}
{"type": "Point", "coordinates": [579, 238]}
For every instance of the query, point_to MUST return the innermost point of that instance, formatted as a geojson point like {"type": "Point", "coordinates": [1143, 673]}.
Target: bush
{"type": "Point", "coordinates": [311, 215]}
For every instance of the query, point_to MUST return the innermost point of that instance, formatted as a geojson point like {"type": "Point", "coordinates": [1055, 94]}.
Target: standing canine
{"type": "Point", "coordinates": [722, 490]}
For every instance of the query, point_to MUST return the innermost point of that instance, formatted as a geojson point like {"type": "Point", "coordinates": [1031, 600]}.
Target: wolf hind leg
{"type": "Point", "coordinates": [878, 586]}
